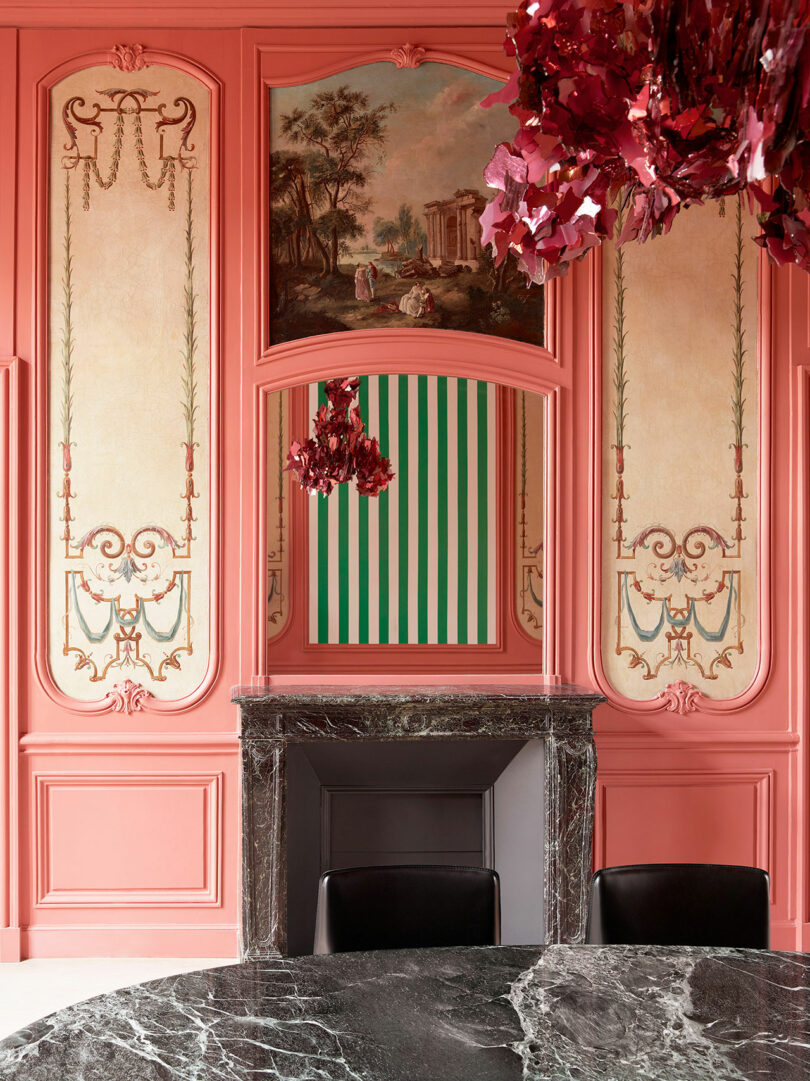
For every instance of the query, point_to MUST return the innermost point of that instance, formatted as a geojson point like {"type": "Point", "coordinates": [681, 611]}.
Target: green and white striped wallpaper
{"type": "Point", "coordinates": [416, 565]}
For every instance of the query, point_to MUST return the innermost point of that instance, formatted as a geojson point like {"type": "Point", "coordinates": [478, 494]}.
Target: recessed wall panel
{"type": "Point", "coordinates": [680, 457]}
{"type": "Point", "coordinates": [129, 357]}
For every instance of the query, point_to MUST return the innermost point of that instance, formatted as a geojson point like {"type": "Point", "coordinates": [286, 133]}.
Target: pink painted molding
{"type": "Point", "coordinates": [798, 300]}
{"type": "Point", "coordinates": [10, 428]}
{"type": "Point", "coordinates": [128, 697]}
{"type": "Point", "coordinates": [452, 353]}
{"type": "Point", "coordinates": [190, 744]}
{"type": "Point", "coordinates": [262, 73]}
{"type": "Point", "coordinates": [123, 698]}
{"type": "Point", "coordinates": [762, 781]}
{"type": "Point", "coordinates": [251, 13]}
{"type": "Point", "coordinates": [180, 939]}
{"type": "Point", "coordinates": [128, 57]}
{"type": "Point", "coordinates": [681, 697]}
{"type": "Point", "coordinates": [47, 895]}
{"type": "Point", "coordinates": [408, 56]}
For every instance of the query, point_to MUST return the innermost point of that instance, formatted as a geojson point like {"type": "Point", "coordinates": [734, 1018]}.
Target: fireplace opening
{"type": "Point", "coordinates": [444, 802]}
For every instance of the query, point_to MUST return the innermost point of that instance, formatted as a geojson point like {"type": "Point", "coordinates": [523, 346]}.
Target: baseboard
{"type": "Point", "coordinates": [786, 935]}
{"type": "Point", "coordinates": [163, 941]}
{"type": "Point", "coordinates": [10, 944]}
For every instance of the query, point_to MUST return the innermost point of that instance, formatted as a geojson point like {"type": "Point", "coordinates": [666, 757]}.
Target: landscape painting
{"type": "Point", "coordinates": [376, 190]}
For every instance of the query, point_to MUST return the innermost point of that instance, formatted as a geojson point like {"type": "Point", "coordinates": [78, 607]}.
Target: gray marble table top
{"type": "Point", "coordinates": [562, 1013]}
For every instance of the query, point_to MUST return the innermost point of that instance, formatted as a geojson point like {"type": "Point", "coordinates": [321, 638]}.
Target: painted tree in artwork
{"type": "Point", "coordinates": [341, 132]}
{"type": "Point", "coordinates": [386, 232]}
{"type": "Point", "coordinates": [411, 234]}
{"type": "Point", "coordinates": [294, 227]}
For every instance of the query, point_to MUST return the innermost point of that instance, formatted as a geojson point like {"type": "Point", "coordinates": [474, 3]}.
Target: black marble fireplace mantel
{"type": "Point", "coordinates": [274, 717]}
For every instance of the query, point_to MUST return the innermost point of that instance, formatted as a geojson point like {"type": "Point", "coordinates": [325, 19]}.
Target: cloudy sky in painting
{"type": "Point", "coordinates": [438, 139]}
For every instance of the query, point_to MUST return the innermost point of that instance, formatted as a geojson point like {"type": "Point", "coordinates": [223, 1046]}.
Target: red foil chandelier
{"type": "Point", "coordinates": [339, 449]}
{"type": "Point", "coordinates": [654, 105]}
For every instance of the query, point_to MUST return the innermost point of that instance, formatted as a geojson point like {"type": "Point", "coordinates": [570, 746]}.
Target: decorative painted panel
{"type": "Point", "coordinates": [680, 460]}
{"type": "Point", "coordinates": [418, 563]}
{"type": "Point", "coordinates": [376, 190]}
{"type": "Point", "coordinates": [278, 516]}
{"type": "Point", "coordinates": [530, 485]}
{"type": "Point", "coordinates": [129, 356]}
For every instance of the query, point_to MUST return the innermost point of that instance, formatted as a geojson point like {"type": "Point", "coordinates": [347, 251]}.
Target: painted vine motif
{"type": "Point", "coordinates": [679, 592]}
{"type": "Point", "coordinates": [127, 594]}
{"type": "Point", "coordinates": [529, 569]}
{"type": "Point", "coordinates": [278, 481]}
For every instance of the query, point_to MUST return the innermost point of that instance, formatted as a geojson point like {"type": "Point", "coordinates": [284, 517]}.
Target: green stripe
{"type": "Point", "coordinates": [422, 490]}
{"type": "Point", "coordinates": [322, 506]}
{"type": "Point", "coordinates": [483, 494]}
{"type": "Point", "coordinates": [383, 498]}
{"type": "Point", "coordinates": [441, 518]}
{"type": "Point", "coordinates": [362, 535]}
{"type": "Point", "coordinates": [403, 508]}
{"type": "Point", "coordinates": [461, 452]}
{"type": "Point", "coordinates": [343, 561]}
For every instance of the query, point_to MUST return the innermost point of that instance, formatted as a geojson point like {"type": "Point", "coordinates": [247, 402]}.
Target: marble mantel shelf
{"type": "Point", "coordinates": [501, 711]}
{"type": "Point", "coordinates": [276, 717]}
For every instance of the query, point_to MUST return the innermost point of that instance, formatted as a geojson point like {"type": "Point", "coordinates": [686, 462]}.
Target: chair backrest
{"type": "Point", "coordinates": [679, 904]}
{"type": "Point", "coordinates": [389, 908]}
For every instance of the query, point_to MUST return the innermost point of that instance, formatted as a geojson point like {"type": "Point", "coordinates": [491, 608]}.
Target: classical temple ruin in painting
{"type": "Point", "coordinates": [453, 231]}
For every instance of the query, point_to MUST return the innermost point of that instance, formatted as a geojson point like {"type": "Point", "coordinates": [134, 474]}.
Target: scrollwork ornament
{"type": "Point", "coordinates": [129, 697]}
{"type": "Point", "coordinates": [408, 56]}
{"type": "Point", "coordinates": [128, 58]}
{"type": "Point", "coordinates": [680, 697]}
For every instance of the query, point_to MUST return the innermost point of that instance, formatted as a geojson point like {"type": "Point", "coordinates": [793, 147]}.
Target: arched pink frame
{"type": "Point", "coordinates": [403, 56]}
{"type": "Point", "coordinates": [432, 352]}
{"type": "Point", "coordinates": [682, 697]}
{"type": "Point", "coordinates": [452, 353]}
{"type": "Point", "coordinates": [115, 700]}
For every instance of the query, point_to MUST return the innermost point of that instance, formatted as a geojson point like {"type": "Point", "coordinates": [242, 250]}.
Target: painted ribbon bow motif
{"type": "Point", "coordinates": [663, 103]}
{"type": "Point", "coordinates": [339, 449]}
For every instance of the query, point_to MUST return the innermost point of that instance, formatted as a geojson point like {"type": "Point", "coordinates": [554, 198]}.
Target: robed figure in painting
{"type": "Point", "coordinates": [413, 303]}
{"type": "Point", "coordinates": [361, 287]}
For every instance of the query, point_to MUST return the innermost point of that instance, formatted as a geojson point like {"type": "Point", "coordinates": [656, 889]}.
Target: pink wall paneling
{"type": "Point", "coordinates": [681, 683]}
{"type": "Point", "coordinates": [130, 845]}
{"type": "Point", "coordinates": [9, 658]}
{"type": "Point", "coordinates": [143, 858]}
{"type": "Point", "coordinates": [319, 18]}
{"type": "Point", "coordinates": [119, 831]}
{"type": "Point", "coordinates": [125, 670]}
{"type": "Point", "coordinates": [726, 817]}
{"type": "Point", "coordinates": [128, 839]}
{"type": "Point", "coordinates": [44, 59]}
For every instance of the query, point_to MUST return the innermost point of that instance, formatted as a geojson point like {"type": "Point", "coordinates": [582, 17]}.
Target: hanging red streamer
{"type": "Point", "coordinates": [662, 104]}
{"type": "Point", "coordinates": [339, 449]}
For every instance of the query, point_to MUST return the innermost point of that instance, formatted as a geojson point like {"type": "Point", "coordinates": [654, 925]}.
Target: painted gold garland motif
{"type": "Point", "coordinates": [128, 599]}
{"type": "Point", "coordinates": [679, 595]}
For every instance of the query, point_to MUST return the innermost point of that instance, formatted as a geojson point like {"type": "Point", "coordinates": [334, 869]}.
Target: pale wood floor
{"type": "Point", "coordinates": [33, 989]}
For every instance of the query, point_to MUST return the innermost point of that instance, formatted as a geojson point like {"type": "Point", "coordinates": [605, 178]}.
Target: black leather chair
{"type": "Point", "coordinates": [679, 904]}
{"type": "Point", "coordinates": [401, 907]}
